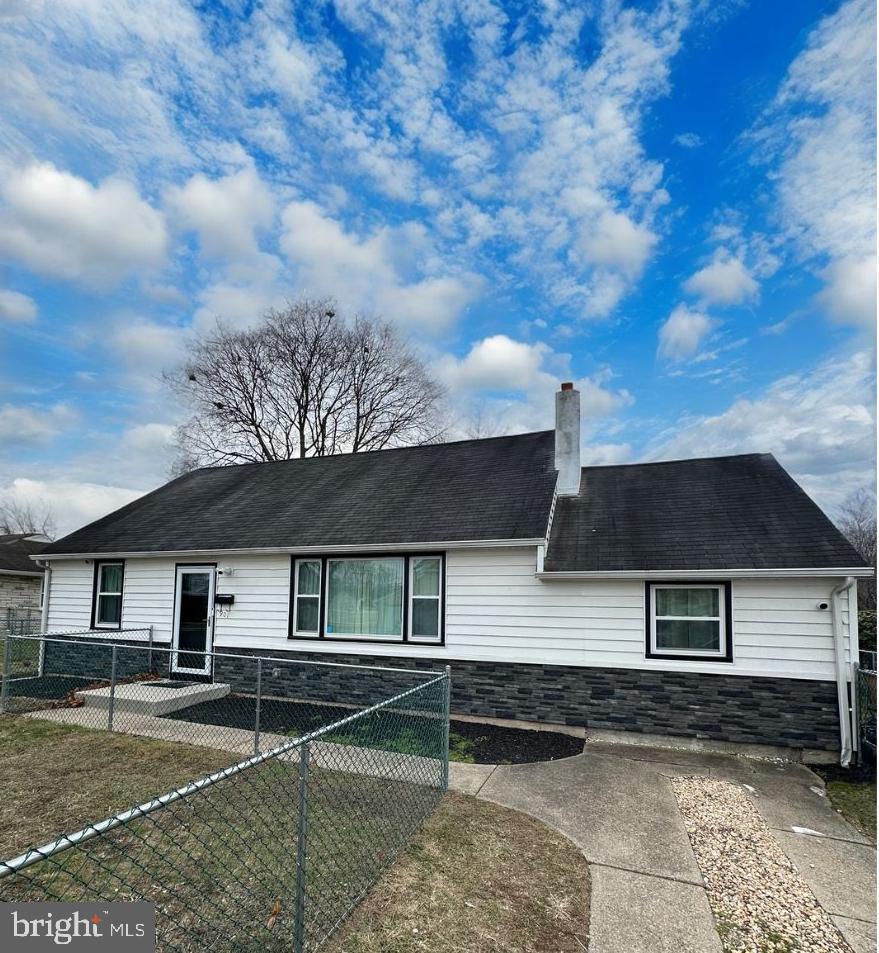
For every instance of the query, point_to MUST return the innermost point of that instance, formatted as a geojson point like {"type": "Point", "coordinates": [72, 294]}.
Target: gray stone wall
{"type": "Point", "coordinates": [81, 659]}
{"type": "Point", "coordinates": [796, 713]}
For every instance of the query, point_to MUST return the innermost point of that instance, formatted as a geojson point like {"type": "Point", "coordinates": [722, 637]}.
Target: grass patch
{"type": "Point", "coordinates": [56, 778]}
{"type": "Point", "coordinates": [25, 657]}
{"type": "Point", "coordinates": [856, 801]}
{"type": "Point", "coordinates": [220, 864]}
{"type": "Point", "coordinates": [477, 878]}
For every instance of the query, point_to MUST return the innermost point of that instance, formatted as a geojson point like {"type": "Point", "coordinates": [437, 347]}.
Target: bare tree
{"type": "Point", "coordinates": [482, 421]}
{"type": "Point", "coordinates": [30, 518]}
{"type": "Point", "coordinates": [857, 521]}
{"type": "Point", "coordinates": [303, 383]}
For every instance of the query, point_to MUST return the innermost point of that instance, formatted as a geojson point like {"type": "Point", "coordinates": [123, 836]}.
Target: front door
{"type": "Point", "coordinates": [193, 620]}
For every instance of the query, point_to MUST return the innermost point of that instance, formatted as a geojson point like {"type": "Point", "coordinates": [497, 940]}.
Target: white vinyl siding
{"type": "Point", "coordinates": [496, 609]}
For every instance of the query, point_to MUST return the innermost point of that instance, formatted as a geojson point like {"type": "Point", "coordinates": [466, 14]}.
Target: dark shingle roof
{"type": "Point", "coordinates": [741, 512]}
{"type": "Point", "coordinates": [16, 550]}
{"type": "Point", "coordinates": [498, 488]}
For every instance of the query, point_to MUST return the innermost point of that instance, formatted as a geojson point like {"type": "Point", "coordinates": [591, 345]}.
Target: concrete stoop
{"type": "Point", "coordinates": [153, 698]}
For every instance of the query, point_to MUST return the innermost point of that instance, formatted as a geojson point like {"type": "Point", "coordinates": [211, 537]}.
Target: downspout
{"type": "Point", "coordinates": [842, 692]}
{"type": "Point", "coordinates": [47, 582]}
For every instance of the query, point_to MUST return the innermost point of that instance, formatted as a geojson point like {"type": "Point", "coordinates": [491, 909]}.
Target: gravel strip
{"type": "Point", "coordinates": [760, 902]}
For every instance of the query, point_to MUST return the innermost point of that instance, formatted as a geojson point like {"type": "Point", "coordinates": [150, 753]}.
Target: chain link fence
{"type": "Point", "coordinates": [240, 703]}
{"type": "Point", "coordinates": [866, 705]}
{"type": "Point", "coordinates": [273, 852]}
{"type": "Point", "coordinates": [20, 620]}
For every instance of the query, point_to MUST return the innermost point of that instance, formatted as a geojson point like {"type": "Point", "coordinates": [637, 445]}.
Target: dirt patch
{"type": "Point", "coordinates": [479, 878]}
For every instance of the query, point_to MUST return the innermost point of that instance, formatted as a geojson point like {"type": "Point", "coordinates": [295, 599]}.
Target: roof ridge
{"type": "Point", "coordinates": [662, 463]}
{"type": "Point", "coordinates": [365, 453]}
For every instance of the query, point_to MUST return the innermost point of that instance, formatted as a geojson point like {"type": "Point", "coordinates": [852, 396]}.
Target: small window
{"type": "Point", "coordinates": [108, 595]}
{"type": "Point", "coordinates": [425, 586]}
{"type": "Point", "coordinates": [689, 621]}
{"type": "Point", "coordinates": [307, 597]}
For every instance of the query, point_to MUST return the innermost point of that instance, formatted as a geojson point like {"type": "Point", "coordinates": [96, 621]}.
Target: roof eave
{"type": "Point", "coordinates": [861, 572]}
{"type": "Point", "coordinates": [304, 550]}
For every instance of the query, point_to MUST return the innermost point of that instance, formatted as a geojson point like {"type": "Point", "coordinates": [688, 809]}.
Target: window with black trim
{"type": "Point", "coordinates": [109, 580]}
{"type": "Point", "coordinates": [689, 621]}
{"type": "Point", "coordinates": [378, 597]}
{"type": "Point", "coordinates": [306, 597]}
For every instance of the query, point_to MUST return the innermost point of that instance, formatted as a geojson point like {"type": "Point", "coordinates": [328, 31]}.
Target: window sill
{"type": "Point", "coordinates": [691, 657]}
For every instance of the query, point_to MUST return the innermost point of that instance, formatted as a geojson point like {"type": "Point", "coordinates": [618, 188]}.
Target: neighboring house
{"type": "Point", "coordinates": [21, 579]}
{"type": "Point", "coordinates": [708, 598]}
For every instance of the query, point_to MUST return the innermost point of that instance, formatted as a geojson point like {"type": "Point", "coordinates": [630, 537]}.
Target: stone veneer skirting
{"type": "Point", "coordinates": [792, 712]}
{"type": "Point", "coordinates": [797, 713]}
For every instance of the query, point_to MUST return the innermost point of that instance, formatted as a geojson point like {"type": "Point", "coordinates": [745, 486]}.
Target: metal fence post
{"type": "Point", "coordinates": [112, 690]}
{"type": "Point", "coordinates": [7, 666]}
{"type": "Point", "coordinates": [301, 843]}
{"type": "Point", "coordinates": [447, 707]}
{"type": "Point", "coordinates": [150, 656]}
{"type": "Point", "coordinates": [258, 704]}
{"type": "Point", "coordinates": [855, 695]}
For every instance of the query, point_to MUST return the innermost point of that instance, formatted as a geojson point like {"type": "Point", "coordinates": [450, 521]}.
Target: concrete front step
{"type": "Point", "coordinates": [153, 698]}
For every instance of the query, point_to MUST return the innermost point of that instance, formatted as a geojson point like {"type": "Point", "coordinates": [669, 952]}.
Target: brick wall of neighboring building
{"type": "Point", "coordinates": [19, 591]}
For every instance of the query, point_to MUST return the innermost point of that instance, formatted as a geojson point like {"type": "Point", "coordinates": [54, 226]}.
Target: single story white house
{"type": "Point", "coordinates": [708, 597]}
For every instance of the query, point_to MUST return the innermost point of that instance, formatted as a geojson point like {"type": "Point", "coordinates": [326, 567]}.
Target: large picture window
{"type": "Point", "coordinates": [689, 621]}
{"type": "Point", "coordinates": [379, 598]}
{"type": "Point", "coordinates": [107, 610]}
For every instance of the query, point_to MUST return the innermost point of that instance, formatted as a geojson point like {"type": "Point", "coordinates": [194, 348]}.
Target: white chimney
{"type": "Point", "coordinates": [567, 440]}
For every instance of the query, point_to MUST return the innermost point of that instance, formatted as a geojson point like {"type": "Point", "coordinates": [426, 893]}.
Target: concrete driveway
{"type": "Point", "coordinates": [615, 802]}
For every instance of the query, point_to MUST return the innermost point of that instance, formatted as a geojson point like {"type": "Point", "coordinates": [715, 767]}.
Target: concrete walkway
{"type": "Point", "coordinates": [616, 804]}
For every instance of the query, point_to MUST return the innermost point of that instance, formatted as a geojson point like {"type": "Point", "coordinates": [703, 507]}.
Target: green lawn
{"type": "Point", "coordinates": [856, 800]}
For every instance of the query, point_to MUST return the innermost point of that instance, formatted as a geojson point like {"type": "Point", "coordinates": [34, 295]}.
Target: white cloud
{"type": "Point", "coordinates": [33, 426]}
{"type": "Point", "coordinates": [16, 307]}
{"type": "Point", "coordinates": [59, 224]}
{"type": "Point", "coordinates": [379, 272]}
{"type": "Point", "coordinates": [725, 281]}
{"type": "Point", "coordinates": [689, 140]}
{"type": "Point", "coordinates": [683, 332]}
{"type": "Point", "coordinates": [152, 440]}
{"type": "Point", "coordinates": [820, 424]}
{"type": "Point", "coordinates": [850, 295]}
{"type": "Point", "coordinates": [823, 125]}
{"type": "Point", "coordinates": [618, 242]}
{"type": "Point", "coordinates": [147, 348]}
{"type": "Point", "coordinates": [226, 212]}
{"type": "Point", "coordinates": [495, 363]}
{"type": "Point", "coordinates": [237, 303]}
{"type": "Point", "coordinates": [73, 503]}
{"type": "Point", "coordinates": [508, 386]}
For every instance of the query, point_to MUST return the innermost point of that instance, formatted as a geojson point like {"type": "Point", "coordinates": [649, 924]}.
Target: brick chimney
{"type": "Point", "coordinates": [567, 440]}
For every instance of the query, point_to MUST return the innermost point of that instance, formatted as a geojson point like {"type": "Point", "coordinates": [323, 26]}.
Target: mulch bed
{"type": "Point", "coordinates": [471, 742]}
{"type": "Point", "coordinates": [493, 744]}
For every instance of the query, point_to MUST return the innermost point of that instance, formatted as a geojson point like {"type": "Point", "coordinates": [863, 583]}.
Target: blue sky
{"type": "Point", "coordinates": [671, 203]}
